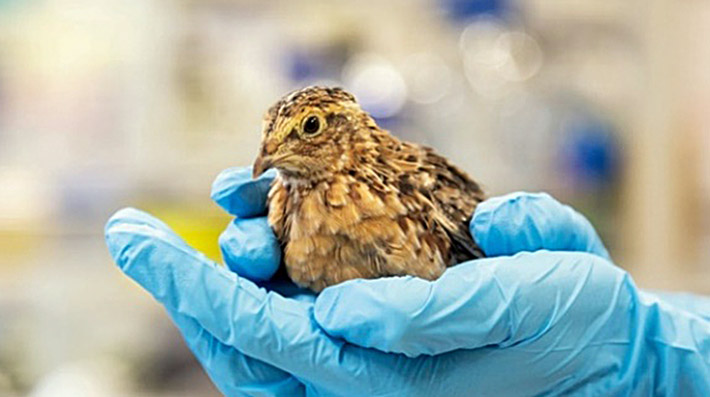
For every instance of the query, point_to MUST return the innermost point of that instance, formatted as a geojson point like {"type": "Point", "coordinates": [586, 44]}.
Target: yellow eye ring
{"type": "Point", "coordinates": [312, 125]}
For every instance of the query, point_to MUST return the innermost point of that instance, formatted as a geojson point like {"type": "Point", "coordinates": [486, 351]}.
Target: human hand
{"type": "Point", "coordinates": [251, 341]}
{"type": "Point", "coordinates": [541, 322]}
{"type": "Point", "coordinates": [249, 246]}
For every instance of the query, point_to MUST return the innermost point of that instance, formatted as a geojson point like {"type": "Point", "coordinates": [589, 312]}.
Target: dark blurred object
{"type": "Point", "coordinates": [590, 153]}
{"type": "Point", "coordinates": [465, 9]}
{"type": "Point", "coordinates": [308, 65]}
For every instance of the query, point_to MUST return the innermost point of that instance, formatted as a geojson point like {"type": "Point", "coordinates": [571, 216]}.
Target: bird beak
{"type": "Point", "coordinates": [261, 164]}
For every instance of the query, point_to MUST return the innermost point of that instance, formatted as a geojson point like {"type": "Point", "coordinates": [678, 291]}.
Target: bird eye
{"type": "Point", "coordinates": [311, 125]}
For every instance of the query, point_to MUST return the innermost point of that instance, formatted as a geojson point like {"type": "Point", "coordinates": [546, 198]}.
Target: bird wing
{"type": "Point", "coordinates": [455, 196]}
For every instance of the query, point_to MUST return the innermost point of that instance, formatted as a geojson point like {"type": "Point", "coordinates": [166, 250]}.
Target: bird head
{"type": "Point", "coordinates": [307, 131]}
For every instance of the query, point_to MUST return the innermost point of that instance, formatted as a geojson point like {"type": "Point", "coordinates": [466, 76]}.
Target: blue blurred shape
{"type": "Point", "coordinates": [306, 64]}
{"type": "Point", "coordinates": [303, 65]}
{"type": "Point", "coordinates": [464, 9]}
{"type": "Point", "coordinates": [591, 152]}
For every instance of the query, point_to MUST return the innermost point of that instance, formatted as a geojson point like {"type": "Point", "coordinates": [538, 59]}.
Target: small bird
{"type": "Point", "coordinates": [352, 201]}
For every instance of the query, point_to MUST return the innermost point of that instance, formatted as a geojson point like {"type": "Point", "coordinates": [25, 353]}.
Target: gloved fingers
{"type": "Point", "coordinates": [231, 371]}
{"type": "Point", "coordinates": [237, 313]}
{"type": "Point", "coordinates": [698, 305]}
{"type": "Point", "coordinates": [523, 221]}
{"type": "Point", "coordinates": [488, 302]}
{"type": "Point", "coordinates": [250, 248]}
{"type": "Point", "coordinates": [239, 194]}
{"type": "Point", "coordinates": [142, 220]}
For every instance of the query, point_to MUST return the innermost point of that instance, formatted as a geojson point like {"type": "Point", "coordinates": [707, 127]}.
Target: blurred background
{"type": "Point", "coordinates": [105, 104]}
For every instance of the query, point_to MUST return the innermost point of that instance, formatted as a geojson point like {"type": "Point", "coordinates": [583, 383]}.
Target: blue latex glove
{"type": "Point", "coordinates": [532, 323]}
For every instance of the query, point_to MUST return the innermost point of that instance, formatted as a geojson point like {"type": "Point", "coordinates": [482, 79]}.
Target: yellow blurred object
{"type": "Point", "coordinates": [25, 207]}
{"type": "Point", "coordinates": [199, 226]}
{"type": "Point", "coordinates": [17, 244]}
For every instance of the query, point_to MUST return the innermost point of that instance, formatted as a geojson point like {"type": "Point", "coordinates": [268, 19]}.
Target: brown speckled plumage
{"type": "Point", "coordinates": [353, 201]}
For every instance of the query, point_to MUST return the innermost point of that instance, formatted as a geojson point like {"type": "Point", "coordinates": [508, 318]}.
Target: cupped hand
{"type": "Point", "coordinates": [536, 322]}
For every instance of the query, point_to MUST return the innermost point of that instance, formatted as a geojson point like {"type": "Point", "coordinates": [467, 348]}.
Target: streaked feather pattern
{"type": "Point", "coordinates": [354, 201]}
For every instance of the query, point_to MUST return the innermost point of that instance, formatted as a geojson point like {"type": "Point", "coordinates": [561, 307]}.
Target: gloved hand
{"type": "Point", "coordinates": [532, 323]}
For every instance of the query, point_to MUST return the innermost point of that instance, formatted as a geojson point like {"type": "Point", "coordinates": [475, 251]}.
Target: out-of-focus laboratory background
{"type": "Point", "coordinates": [105, 104]}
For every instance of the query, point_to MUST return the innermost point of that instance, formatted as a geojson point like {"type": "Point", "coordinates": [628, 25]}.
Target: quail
{"type": "Point", "coordinates": [353, 201]}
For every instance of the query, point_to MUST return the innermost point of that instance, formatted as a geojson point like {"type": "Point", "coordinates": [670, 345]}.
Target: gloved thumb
{"type": "Point", "coordinates": [522, 221]}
